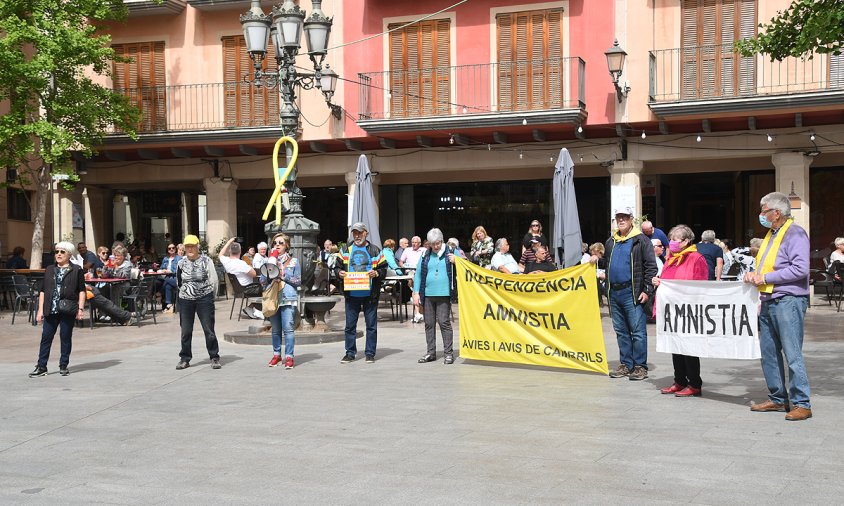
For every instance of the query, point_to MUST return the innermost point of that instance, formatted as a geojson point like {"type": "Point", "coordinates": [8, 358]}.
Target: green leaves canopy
{"type": "Point", "coordinates": [806, 26]}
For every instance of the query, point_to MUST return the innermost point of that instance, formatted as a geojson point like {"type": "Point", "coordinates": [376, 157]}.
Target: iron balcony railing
{"type": "Point", "coordinates": [509, 86]}
{"type": "Point", "coordinates": [715, 72]}
{"type": "Point", "coordinates": [196, 107]}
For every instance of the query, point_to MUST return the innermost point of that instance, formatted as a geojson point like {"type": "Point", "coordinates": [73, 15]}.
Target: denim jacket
{"type": "Point", "coordinates": [292, 275]}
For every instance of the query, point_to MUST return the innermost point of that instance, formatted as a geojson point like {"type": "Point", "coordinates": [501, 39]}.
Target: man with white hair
{"type": "Point", "coordinates": [782, 276]}
{"type": "Point", "coordinates": [246, 275]}
{"type": "Point", "coordinates": [653, 232]}
{"type": "Point", "coordinates": [659, 251]}
{"type": "Point", "coordinates": [713, 254]}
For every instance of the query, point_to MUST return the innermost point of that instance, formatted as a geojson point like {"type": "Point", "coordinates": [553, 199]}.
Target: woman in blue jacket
{"type": "Point", "coordinates": [289, 279]}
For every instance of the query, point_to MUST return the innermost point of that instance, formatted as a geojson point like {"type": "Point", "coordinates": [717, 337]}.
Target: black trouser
{"type": "Point", "coordinates": [104, 305]}
{"type": "Point", "coordinates": [687, 370]}
{"type": "Point", "coordinates": [438, 310]}
{"type": "Point", "coordinates": [188, 310]}
{"type": "Point", "coordinates": [53, 322]}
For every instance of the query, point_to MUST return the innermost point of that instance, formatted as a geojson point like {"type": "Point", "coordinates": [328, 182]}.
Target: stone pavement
{"type": "Point", "coordinates": [127, 428]}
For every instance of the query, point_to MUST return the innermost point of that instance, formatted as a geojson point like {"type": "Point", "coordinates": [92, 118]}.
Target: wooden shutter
{"type": "Point", "coordinates": [711, 67]}
{"type": "Point", "coordinates": [143, 80]}
{"type": "Point", "coordinates": [530, 60]}
{"type": "Point", "coordinates": [836, 70]}
{"type": "Point", "coordinates": [420, 83]}
{"type": "Point", "coordinates": [247, 105]}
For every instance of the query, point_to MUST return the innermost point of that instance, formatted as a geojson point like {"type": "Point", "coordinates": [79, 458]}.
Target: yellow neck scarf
{"type": "Point", "coordinates": [633, 233]}
{"type": "Point", "coordinates": [768, 265]}
{"type": "Point", "coordinates": [677, 258]}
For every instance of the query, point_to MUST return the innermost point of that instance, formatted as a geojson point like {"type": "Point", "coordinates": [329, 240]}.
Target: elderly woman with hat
{"type": "Point", "coordinates": [197, 280]}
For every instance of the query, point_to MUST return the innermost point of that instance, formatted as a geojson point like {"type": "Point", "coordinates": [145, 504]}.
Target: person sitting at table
{"type": "Point", "coordinates": [393, 268]}
{"type": "Point", "coordinates": [502, 260]}
{"type": "Point", "coordinates": [17, 261]}
{"type": "Point", "coordinates": [100, 295]}
{"type": "Point", "coordinates": [88, 257]}
{"type": "Point", "coordinates": [167, 284]}
{"type": "Point", "coordinates": [246, 276]}
{"type": "Point", "coordinates": [248, 256]}
{"type": "Point", "coordinates": [102, 258]}
{"type": "Point", "coordinates": [543, 261]}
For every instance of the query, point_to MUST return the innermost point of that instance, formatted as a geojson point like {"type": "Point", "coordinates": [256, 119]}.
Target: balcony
{"type": "Point", "coordinates": [227, 110]}
{"type": "Point", "coordinates": [473, 96]}
{"type": "Point", "coordinates": [154, 7]}
{"type": "Point", "coordinates": [716, 78]}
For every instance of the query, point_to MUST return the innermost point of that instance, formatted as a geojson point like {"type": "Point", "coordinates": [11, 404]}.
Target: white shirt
{"type": "Point", "coordinates": [239, 268]}
{"type": "Point", "coordinates": [258, 260]}
{"type": "Point", "coordinates": [504, 259]}
{"type": "Point", "coordinates": [411, 257]}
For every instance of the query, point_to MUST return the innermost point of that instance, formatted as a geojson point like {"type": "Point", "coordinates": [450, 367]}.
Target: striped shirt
{"type": "Point", "coordinates": [196, 278]}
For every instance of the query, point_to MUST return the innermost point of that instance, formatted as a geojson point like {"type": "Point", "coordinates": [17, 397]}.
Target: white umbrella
{"type": "Point", "coordinates": [567, 240]}
{"type": "Point", "coordinates": [364, 208]}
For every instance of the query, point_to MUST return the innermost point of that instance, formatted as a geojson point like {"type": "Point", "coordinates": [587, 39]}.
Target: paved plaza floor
{"type": "Point", "coordinates": [125, 427]}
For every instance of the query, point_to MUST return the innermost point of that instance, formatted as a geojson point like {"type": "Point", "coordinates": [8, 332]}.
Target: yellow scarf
{"type": "Point", "coordinates": [633, 233]}
{"type": "Point", "coordinates": [677, 258]}
{"type": "Point", "coordinates": [768, 266]}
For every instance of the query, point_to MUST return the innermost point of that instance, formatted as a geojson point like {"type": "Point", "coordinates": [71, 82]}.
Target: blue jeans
{"type": "Point", "coordinates": [354, 305]}
{"type": "Point", "coordinates": [52, 323]}
{"type": "Point", "coordinates": [282, 322]}
{"type": "Point", "coordinates": [781, 333]}
{"type": "Point", "coordinates": [630, 323]}
{"type": "Point", "coordinates": [204, 309]}
{"type": "Point", "coordinates": [169, 288]}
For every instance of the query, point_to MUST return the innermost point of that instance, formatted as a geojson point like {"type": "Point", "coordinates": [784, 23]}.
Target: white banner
{"type": "Point", "coordinates": [714, 319]}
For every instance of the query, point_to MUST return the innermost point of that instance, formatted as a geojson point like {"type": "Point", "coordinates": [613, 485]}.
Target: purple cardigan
{"type": "Point", "coordinates": [791, 267]}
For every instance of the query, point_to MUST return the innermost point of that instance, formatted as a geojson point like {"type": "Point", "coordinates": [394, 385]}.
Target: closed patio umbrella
{"type": "Point", "coordinates": [566, 239]}
{"type": "Point", "coordinates": [364, 209]}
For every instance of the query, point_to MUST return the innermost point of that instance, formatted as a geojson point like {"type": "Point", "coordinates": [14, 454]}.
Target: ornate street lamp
{"type": "Point", "coordinates": [615, 62]}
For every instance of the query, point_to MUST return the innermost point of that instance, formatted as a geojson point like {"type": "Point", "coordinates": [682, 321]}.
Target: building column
{"type": "Point", "coordinates": [185, 215]}
{"type": "Point", "coordinates": [626, 187]}
{"type": "Point", "coordinates": [351, 184]}
{"type": "Point", "coordinates": [221, 201]}
{"type": "Point", "coordinates": [62, 214]}
{"type": "Point", "coordinates": [793, 169]}
{"type": "Point", "coordinates": [121, 216]}
{"type": "Point", "coordinates": [94, 210]}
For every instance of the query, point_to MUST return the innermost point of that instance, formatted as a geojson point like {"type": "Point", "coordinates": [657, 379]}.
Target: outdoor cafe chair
{"type": "Point", "coordinates": [239, 293]}
{"type": "Point", "coordinates": [141, 297]}
{"type": "Point", "coordinates": [24, 294]}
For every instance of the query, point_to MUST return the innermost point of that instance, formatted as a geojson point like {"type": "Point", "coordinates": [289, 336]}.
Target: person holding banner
{"type": "Point", "coordinates": [362, 269]}
{"type": "Point", "coordinates": [782, 276]}
{"type": "Point", "coordinates": [434, 288]}
{"type": "Point", "coordinates": [630, 269]}
{"type": "Point", "coordinates": [684, 262]}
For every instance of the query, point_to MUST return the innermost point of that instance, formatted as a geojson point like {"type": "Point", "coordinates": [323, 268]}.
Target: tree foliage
{"type": "Point", "coordinates": [49, 51]}
{"type": "Point", "coordinates": [806, 26]}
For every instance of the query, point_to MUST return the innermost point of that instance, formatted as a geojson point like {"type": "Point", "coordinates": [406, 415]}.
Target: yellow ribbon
{"type": "Point", "coordinates": [275, 199]}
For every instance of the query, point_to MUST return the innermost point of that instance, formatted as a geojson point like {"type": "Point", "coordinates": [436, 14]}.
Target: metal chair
{"type": "Point", "coordinates": [23, 294]}
{"type": "Point", "coordinates": [838, 285]}
{"type": "Point", "coordinates": [221, 277]}
{"type": "Point", "coordinates": [141, 297]}
{"type": "Point", "coordinates": [822, 280]}
{"type": "Point", "coordinates": [239, 293]}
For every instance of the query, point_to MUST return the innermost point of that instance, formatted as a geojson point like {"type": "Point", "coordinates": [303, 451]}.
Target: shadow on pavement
{"type": "Point", "coordinates": [307, 357]}
{"type": "Point", "coordinates": [224, 359]}
{"type": "Point", "coordinates": [385, 352]}
{"type": "Point", "coordinates": [94, 366]}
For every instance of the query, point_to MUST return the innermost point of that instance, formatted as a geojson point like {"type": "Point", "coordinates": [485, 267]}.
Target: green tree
{"type": "Point", "coordinates": [49, 51]}
{"type": "Point", "coordinates": [806, 26]}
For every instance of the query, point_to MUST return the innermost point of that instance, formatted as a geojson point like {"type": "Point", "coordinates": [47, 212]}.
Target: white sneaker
{"type": "Point", "coordinates": [418, 318]}
{"type": "Point", "coordinates": [257, 314]}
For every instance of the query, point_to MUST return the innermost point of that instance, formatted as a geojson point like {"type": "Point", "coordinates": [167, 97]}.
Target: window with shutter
{"type": "Point", "coordinates": [420, 83]}
{"type": "Point", "coordinates": [142, 79]}
{"type": "Point", "coordinates": [246, 105]}
{"type": "Point", "coordinates": [711, 66]}
{"type": "Point", "coordinates": [530, 60]}
{"type": "Point", "coordinates": [836, 70]}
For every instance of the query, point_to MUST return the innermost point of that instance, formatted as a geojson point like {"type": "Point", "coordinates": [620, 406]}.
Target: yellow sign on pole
{"type": "Point", "coordinates": [550, 319]}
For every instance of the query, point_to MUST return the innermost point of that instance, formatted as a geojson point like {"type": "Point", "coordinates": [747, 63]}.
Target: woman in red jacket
{"type": "Point", "coordinates": [684, 262]}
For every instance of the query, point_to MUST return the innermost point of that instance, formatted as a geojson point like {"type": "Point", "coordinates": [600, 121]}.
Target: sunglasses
{"type": "Point", "coordinates": [171, 247]}
{"type": "Point", "coordinates": [60, 252]}
{"type": "Point", "coordinates": [534, 224]}
{"type": "Point", "coordinates": [278, 243]}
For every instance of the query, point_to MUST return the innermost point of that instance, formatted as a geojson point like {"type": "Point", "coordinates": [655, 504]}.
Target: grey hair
{"type": "Point", "coordinates": [499, 242]}
{"type": "Point", "coordinates": [262, 245]}
{"type": "Point", "coordinates": [435, 235]}
{"type": "Point", "coordinates": [684, 231]}
{"type": "Point", "coordinates": [708, 236]}
{"type": "Point", "coordinates": [453, 241]}
{"type": "Point", "coordinates": [839, 241]}
{"type": "Point", "coordinates": [67, 246]}
{"type": "Point", "coordinates": [778, 201]}
{"type": "Point", "coordinates": [756, 242]}
{"type": "Point", "coordinates": [234, 249]}
{"type": "Point", "coordinates": [119, 250]}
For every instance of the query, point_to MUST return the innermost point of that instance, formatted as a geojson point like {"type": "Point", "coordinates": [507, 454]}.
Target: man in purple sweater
{"type": "Point", "coordinates": [782, 275]}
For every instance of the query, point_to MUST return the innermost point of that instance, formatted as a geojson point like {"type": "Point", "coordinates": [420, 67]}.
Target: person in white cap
{"type": "Point", "coordinates": [630, 268]}
{"type": "Point", "coordinates": [362, 256]}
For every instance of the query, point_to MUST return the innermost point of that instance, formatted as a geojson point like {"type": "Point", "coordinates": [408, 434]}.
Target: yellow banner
{"type": "Point", "coordinates": [549, 319]}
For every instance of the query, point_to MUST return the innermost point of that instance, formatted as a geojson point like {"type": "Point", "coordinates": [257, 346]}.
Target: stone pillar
{"type": "Point", "coordinates": [626, 186]}
{"type": "Point", "coordinates": [95, 203]}
{"type": "Point", "coordinates": [221, 202]}
{"type": "Point", "coordinates": [62, 214]}
{"type": "Point", "coordinates": [185, 216]}
{"type": "Point", "coordinates": [120, 215]}
{"type": "Point", "coordinates": [793, 169]}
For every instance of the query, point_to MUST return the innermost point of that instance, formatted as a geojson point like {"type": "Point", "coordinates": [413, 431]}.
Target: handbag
{"type": "Point", "coordinates": [269, 300]}
{"type": "Point", "coordinates": [67, 307]}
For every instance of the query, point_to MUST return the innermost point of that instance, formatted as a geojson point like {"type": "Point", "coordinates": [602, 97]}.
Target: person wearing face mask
{"type": "Point", "coordinates": [782, 276]}
{"type": "Point", "coordinates": [684, 262]}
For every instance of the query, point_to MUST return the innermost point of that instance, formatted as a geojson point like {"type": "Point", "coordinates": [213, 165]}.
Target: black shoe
{"type": "Point", "coordinates": [182, 365]}
{"type": "Point", "coordinates": [449, 359]}
{"type": "Point", "coordinates": [430, 357]}
{"type": "Point", "coordinates": [347, 359]}
{"type": "Point", "coordinates": [215, 363]}
{"type": "Point", "coordinates": [370, 359]}
{"type": "Point", "coordinates": [39, 371]}
{"type": "Point", "coordinates": [63, 370]}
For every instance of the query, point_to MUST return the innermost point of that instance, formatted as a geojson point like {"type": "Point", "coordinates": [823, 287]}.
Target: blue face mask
{"type": "Point", "coordinates": [764, 221]}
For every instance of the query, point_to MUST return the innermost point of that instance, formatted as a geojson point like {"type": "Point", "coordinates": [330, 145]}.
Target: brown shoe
{"type": "Point", "coordinates": [768, 405]}
{"type": "Point", "coordinates": [798, 413]}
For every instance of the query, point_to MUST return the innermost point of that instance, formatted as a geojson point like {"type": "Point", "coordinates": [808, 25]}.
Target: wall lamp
{"type": "Point", "coordinates": [615, 62]}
